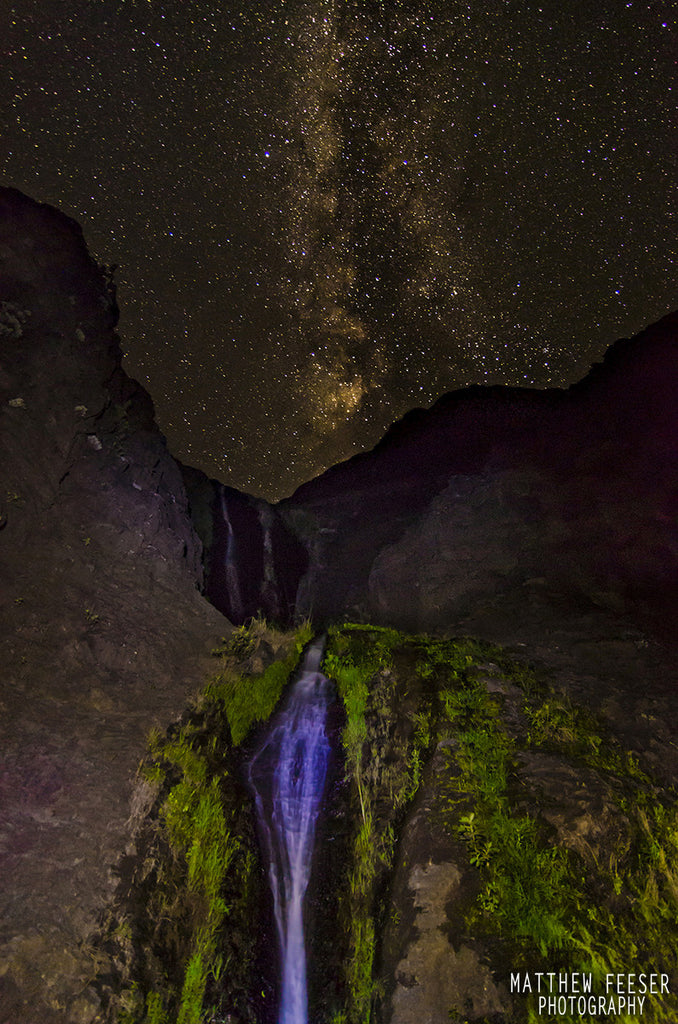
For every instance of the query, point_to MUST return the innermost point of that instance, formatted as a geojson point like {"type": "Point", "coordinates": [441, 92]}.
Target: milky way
{"type": "Point", "coordinates": [325, 214]}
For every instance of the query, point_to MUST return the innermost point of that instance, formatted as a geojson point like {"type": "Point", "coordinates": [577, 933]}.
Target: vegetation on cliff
{"type": "Point", "coordinates": [184, 928]}
{"type": "Point", "coordinates": [565, 849]}
{"type": "Point", "coordinates": [584, 882]}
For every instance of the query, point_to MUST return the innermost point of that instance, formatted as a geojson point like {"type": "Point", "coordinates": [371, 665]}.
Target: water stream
{"type": "Point", "coordinates": [231, 566]}
{"type": "Point", "coordinates": [287, 776]}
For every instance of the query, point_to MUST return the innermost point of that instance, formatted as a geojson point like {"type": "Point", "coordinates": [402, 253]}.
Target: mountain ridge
{"type": "Point", "coordinates": [555, 534]}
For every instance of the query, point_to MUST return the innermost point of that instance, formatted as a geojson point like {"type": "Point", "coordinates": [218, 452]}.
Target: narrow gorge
{"type": "Point", "coordinates": [468, 787]}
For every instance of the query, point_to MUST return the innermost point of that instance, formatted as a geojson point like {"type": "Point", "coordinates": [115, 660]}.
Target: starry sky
{"type": "Point", "coordinates": [327, 212]}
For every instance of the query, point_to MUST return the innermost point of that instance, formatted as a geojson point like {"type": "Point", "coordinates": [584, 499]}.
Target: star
{"type": "Point", "coordinates": [326, 215]}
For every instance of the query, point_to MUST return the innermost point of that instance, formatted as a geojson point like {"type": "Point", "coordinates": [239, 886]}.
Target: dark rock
{"type": "Point", "coordinates": [253, 560]}
{"type": "Point", "coordinates": [103, 630]}
{"type": "Point", "coordinates": [520, 500]}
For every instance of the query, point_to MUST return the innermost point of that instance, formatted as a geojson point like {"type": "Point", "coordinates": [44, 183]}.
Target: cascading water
{"type": "Point", "coordinates": [287, 775]}
{"type": "Point", "coordinates": [269, 584]}
{"type": "Point", "coordinates": [231, 566]}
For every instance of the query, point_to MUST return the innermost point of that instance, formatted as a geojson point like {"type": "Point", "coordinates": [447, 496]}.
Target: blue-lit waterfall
{"type": "Point", "coordinates": [287, 775]}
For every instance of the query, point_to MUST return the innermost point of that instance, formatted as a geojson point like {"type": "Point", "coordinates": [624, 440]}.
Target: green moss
{"type": "Point", "coordinates": [155, 1011]}
{"type": "Point", "coordinates": [247, 701]}
{"type": "Point", "coordinates": [241, 643]}
{"type": "Point", "coordinates": [199, 827]}
{"type": "Point", "coordinates": [195, 980]}
{"type": "Point", "coordinates": [359, 660]}
{"type": "Point", "coordinates": [533, 902]}
{"type": "Point", "coordinates": [201, 852]}
{"type": "Point", "coordinates": [543, 902]}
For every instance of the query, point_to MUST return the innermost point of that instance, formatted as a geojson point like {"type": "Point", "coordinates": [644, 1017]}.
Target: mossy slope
{"type": "Point", "coordinates": [546, 845]}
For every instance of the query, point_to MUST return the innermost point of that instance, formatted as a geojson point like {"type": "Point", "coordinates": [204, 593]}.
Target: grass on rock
{"type": "Point", "coordinates": [203, 842]}
{"type": "Point", "coordinates": [544, 900]}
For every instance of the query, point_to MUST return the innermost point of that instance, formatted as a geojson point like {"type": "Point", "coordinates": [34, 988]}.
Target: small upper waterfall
{"type": "Point", "coordinates": [269, 584]}
{"type": "Point", "coordinates": [231, 566]}
{"type": "Point", "coordinates": [287, 775]}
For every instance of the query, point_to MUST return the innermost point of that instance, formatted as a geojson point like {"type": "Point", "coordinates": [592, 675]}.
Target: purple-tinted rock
{"type": "Point", "coordinates": [103, 631]}
{"type": "Point", "coordinates": [499, 495]}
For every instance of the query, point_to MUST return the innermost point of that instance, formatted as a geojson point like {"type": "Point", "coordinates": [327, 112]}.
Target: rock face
{"type": "Point", "coordinates": [509, 502]}
{"type": "Point", "coordinates": [253, 560]}
{"type": "Point", "coordinates": [498, 512]}
{"type": "Point", "coordinates": [103, 630]}
{"type": "Point", "coordinates": [496, 826]}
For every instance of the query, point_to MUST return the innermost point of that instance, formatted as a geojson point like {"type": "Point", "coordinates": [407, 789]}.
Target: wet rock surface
{"type": "Point", "coordinates": [253, 561]}
{"type": "Point", "coordinates": [433, 966]}
{"type": "Point", "coordinates": [430, 965]}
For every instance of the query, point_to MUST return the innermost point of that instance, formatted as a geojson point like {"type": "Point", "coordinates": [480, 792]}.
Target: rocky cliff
{"type": "Point", "coordinates": [482, 816]}
{"type": "Point", "coordinates": [103, 630]}
{"type": "Point", "coordinates": [253, 561]}
{"type": "Point", "coordinates": [500, 505]}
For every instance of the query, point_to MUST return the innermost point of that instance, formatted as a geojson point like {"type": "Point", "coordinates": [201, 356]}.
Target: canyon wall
{"type": "Point", "coordinates": [500, 505]}
{"type": "Point", "coordinates": [103, 629]}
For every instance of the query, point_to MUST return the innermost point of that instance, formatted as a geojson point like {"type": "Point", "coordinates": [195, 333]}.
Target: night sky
{"type": "Point", "coordinates": [327, 213]}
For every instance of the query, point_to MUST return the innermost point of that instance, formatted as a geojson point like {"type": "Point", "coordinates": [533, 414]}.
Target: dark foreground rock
{"type": "Point", "coordinates": [103, 631]}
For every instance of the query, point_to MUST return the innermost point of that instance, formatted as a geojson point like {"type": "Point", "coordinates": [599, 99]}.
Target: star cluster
{"type": "Point", "coordinates": [326, 212]}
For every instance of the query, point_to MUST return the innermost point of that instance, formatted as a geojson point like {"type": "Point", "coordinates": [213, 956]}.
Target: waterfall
{"type": "Point", "coordinates": [236, 607]}
{"type": "Point", "coordinates": [287, 775]}
{"type": "Point", "coordinates": [269, 584]}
